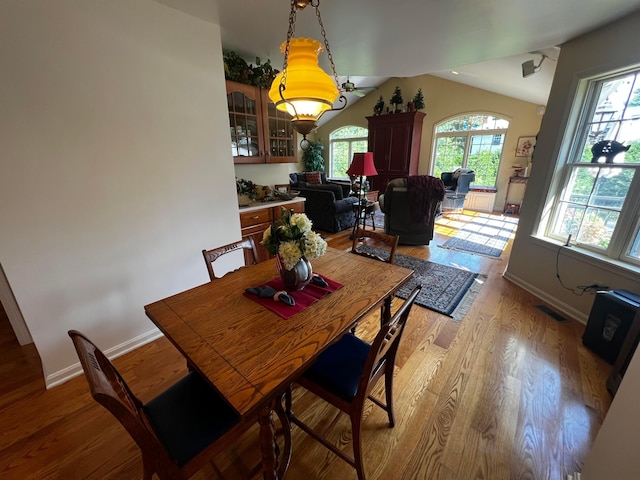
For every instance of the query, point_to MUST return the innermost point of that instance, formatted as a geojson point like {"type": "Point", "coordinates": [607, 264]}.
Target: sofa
{"type": "Point", "coordinates": [400, 213]}
{"type": "Point", "coordinates": [328, 205]}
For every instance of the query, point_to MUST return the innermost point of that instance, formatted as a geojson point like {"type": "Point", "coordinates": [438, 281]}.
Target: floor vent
{"type": "Point", "coordinates": [551, 313]}
{"type": "Point", "coordinates": [573, 476]}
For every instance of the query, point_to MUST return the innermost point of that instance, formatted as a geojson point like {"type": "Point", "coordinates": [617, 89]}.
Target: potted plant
{"type": "Point", "coordinates": [396, 99]}
{"type": "Point", "coordinates": [312, 157]}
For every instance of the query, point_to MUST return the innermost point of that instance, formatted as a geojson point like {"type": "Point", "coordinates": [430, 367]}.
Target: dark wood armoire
{"type": "Point", "coordinates": [394, 140]}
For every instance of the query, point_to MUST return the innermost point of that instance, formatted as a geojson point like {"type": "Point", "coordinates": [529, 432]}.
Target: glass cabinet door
{"type": "Point", "coordinates": [280, 135]}
{"type": "Point", "coordinates": [244, 118]}
{"type": "Point", "coordinates": [259, 132]}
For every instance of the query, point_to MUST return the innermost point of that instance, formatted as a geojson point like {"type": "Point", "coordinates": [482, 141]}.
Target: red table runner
{"type": "Point", "coordinates": [304, 298]}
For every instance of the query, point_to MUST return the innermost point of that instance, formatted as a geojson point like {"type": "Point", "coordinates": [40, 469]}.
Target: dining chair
{"type": "Point", "coordinates": [345, 374]}
{"type": "Point", "coordinates": [360, 238]}
{"type": "Point", "coordinates": [178, 431]}
{"type": "Point", "coordinates": [379, 239]}
{"type": "Point", "coordinates": [247, 244]}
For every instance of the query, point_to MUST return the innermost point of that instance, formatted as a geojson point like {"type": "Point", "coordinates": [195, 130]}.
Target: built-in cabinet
{"type": "Point", "coordinates": [394, 140]}
{"type": "Point", "coordinates": [259, 132]}
{"type": "Point", "coordinates": [480, 201]}
{"type": "Point", "coordinates": [255, 219]}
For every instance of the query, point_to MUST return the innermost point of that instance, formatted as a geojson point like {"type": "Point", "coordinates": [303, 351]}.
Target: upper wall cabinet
{"type": "Point", "coordinates": [259, 132]}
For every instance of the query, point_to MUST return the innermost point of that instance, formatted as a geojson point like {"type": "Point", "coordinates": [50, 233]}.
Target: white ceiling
{"type": "Point", "coordinates": [372, 40]}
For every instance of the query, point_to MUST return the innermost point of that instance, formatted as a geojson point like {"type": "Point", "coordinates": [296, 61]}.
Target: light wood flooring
{"type": "Point", "coordinates": [506, 393]}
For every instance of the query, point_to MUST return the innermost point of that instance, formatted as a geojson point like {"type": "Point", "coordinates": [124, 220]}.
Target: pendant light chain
{"type": "Point", "coordinates": [290, 32]}
{"type": "Point", "coordinates": [326, 44]}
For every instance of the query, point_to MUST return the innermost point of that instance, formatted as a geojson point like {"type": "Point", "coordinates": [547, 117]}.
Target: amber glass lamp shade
{"type": "Point", "coordinates": [309, 91]}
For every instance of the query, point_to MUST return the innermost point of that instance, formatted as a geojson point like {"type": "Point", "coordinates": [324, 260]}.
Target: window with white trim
{"type": "Point", "coordinates": [343, 143]}
{"type": "Point", "coordinates": [597, 201]}
{"type": "Point", "coordinates": [471, 141]}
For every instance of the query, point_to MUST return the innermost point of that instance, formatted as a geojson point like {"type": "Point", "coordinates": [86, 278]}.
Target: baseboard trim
{"type": "Point", "coordinates": [66, 374]}
{"type": "Point", "coordinates": [567, 310]}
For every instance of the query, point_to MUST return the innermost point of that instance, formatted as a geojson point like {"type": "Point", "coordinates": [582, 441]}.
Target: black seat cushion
{"type": "Point", "coordinates": [189, 416]}
{"type": "Point", "coordinates": [339, 368]}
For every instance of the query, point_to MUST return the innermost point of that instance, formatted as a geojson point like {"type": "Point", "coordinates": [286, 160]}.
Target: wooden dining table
{"type": "Point", "coordinates": [249, 353]}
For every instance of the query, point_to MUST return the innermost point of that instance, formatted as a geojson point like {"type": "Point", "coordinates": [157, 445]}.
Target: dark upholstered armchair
{"type": "Point", "coordinates": [398, 207]}
{"type": "Point", "coordinates": [327, 204]}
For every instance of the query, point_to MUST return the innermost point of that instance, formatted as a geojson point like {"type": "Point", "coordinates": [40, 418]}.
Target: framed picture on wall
{"type": "Point", "coordinates": [525, 145]}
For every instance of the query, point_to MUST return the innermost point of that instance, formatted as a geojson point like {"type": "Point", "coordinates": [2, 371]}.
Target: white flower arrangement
{"type": "Point", "coordinates": [291, 238]}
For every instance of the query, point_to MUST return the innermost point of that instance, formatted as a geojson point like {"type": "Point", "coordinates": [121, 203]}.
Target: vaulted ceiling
{"type": "Point", "coordinates": [485, 42]}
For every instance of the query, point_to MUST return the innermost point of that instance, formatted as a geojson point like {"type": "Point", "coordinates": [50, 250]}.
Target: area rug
{"type": "Point", "coordinates": [447, 290]}
{"type": "Point", "coordinates": [485, 235]}
{"type": "Point", "coordinates": [378, 219]}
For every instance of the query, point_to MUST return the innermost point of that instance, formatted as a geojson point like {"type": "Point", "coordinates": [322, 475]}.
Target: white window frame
{"type": "Point", "coordinates": [627, 227]}
{"type": "Point", "coordinates": [351, 141]}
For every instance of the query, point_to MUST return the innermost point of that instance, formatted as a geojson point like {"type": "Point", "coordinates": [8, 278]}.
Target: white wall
{"type": "Point", "coordinates": [116, 166]}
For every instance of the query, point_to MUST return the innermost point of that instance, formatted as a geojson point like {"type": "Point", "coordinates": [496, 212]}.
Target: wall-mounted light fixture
{"type": "Point", "coordinates": [529, 67]}
{"type": "Point", "coordinates": [303, 89]}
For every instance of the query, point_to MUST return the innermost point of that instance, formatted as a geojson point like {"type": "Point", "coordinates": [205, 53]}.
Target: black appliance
{"type": "Point", "coordinates": [611, 317]}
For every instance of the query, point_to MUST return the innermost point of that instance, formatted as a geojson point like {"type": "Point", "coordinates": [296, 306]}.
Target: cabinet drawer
{"type": "Point", "coordinates": [248, 219]}
{"type": "Point", "coordinates": [297, 207]}
{"type": "Point", "coordinates": [253, 229]}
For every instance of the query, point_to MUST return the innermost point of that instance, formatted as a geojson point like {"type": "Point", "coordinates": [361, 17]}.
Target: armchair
{"type": "Point", "coordinates": [399, 206]}
{"type": "Point", "coordinates": [327, 204]}
{"type": "Point", "coordinates": [456, 184]}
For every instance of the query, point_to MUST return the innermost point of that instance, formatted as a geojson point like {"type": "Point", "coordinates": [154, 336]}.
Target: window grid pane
{"type": "Point", "coordinates": [449, 154]}
{"type": "Point", "coordinates": [591, 204]}
{"type": "Point", "coordinates": [484, 158]}
{"type": "Point", "coordinates": [343, 142]}
{"type": "Point", "coordinates": [480, 152]}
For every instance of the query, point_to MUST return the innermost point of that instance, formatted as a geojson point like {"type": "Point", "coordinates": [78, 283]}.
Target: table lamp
{"type": "Point", "coordinates": [362, 165]}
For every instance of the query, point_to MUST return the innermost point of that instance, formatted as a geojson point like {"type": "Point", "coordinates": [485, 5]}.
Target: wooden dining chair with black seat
{"type": "Point", "coordinates": [388, 242]}
{"type": "Point", "coordinates": [246, 244]}
{"type": "Point", "coordinates": [380, 241]}
{"type": "Point", "coordinates": [345, 374]}
{"type": "Point", "coordinates": [178, 431]}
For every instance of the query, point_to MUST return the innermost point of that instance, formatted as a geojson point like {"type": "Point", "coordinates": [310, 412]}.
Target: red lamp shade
{"type": "Point", "coordinates": [362, 164]}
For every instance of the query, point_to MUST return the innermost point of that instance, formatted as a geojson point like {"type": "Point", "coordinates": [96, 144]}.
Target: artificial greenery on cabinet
{"type": "Point", "coordinates": [379, 106]}
{"type": "Point", "coordinates": [418, 100]}
{"type": "Point", "coordinates": [238, 70]}
{"type": "Point", "coordinates": [396, 99]}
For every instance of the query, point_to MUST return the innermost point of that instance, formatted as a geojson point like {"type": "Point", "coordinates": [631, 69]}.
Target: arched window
{"type": "Point", "coordinates": [471, 141]}
{"type": "Point", "coordinates": [343, 143]}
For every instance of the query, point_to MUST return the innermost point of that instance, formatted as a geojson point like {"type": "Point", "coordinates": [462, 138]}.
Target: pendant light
{"type": "Point", "coordinates": [303, 89]}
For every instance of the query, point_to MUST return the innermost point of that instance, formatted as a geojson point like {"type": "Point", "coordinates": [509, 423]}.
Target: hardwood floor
{"type": "Point", "coordinates": [506, 393]}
